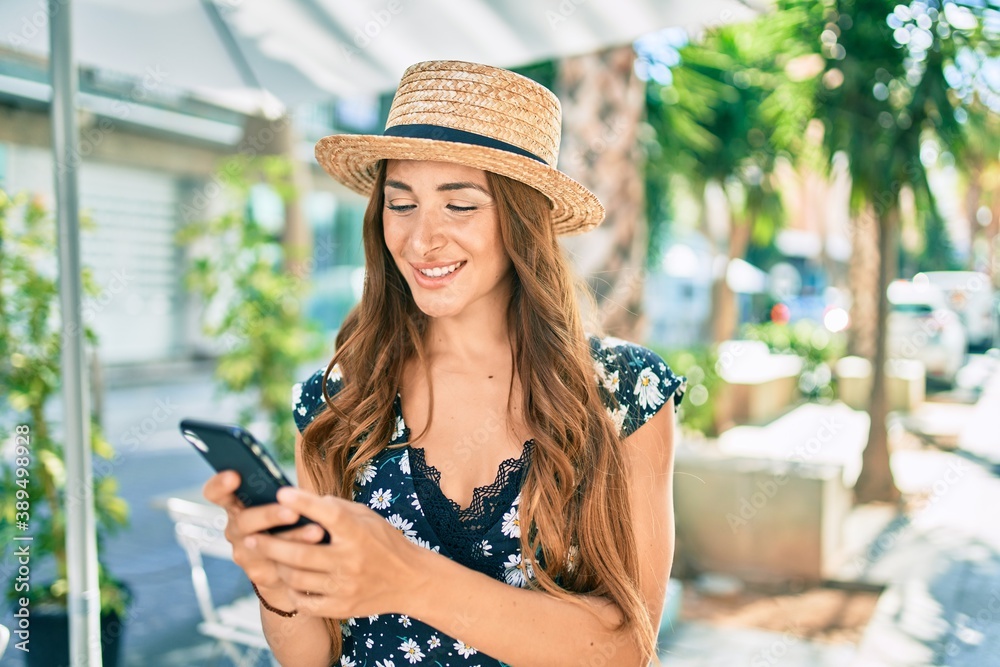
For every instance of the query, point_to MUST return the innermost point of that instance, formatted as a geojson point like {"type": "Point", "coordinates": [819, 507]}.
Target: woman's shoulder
{"type": "Point", "coordinates": [639, 378]}
{"type": "Point", "coordinates": [307, 396]}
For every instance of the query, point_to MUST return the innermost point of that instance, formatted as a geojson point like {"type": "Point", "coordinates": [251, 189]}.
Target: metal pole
{"type": "Point", "coordinates": [81, 542]}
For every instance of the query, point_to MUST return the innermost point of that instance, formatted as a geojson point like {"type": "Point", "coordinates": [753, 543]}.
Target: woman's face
{"type": "Point", "coordinates": [442, 216]}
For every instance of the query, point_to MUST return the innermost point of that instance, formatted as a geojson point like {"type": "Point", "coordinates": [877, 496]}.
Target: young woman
{"type": "Point", "coordinates": [530, 519]}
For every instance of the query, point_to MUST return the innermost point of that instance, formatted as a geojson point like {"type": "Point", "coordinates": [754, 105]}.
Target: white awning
{"type": "Point", "coordinates": [309, 50]}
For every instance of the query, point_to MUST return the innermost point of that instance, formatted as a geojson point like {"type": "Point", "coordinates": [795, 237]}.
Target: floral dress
{"type": "Point", "coordinates": [403, 488]}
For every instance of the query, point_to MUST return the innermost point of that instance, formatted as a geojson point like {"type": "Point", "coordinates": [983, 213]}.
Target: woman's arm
{"type": "Point", "coordinates": [370, 568]}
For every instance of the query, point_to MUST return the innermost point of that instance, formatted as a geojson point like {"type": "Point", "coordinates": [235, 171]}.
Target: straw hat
{"type": "Point", "coordinates": [476, 115]}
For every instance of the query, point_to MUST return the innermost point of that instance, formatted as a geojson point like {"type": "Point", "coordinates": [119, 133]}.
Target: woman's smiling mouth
{"type": "Point", "coordinates": [437, 276]}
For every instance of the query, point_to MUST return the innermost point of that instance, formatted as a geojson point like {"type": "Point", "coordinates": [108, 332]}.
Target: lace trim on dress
{"type": "Point", "coordinates": [461, 530]}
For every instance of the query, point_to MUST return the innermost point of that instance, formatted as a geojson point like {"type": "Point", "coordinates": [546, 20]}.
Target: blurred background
{"type": "Point", "coordinates": [803, 214]}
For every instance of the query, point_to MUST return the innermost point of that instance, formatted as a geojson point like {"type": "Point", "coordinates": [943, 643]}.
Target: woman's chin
{"type": "Point", "coordinates": [440, 307]}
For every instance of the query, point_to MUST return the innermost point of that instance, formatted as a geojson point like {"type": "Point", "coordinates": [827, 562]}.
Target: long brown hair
{"type": "Point", "coordinates": [575, 491]}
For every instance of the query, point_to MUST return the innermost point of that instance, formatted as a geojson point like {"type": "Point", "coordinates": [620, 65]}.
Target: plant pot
{"type": "Point", "coordinates": [50, 637]}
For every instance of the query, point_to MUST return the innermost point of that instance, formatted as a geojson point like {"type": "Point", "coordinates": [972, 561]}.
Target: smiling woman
{"type": "Point", "coordinates": [534, 524]}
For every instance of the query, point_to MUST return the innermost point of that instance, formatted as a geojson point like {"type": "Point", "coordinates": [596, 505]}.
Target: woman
{"type": "Point", "coordinates": [534, 523]}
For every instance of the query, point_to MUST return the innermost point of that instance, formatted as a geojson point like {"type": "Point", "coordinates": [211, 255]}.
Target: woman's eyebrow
{"type": "Point", "coordinates": [444, 187]}
{"type": "Point", "coordinates": [462, 185]}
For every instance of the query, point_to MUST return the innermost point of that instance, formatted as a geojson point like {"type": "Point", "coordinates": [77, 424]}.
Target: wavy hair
{"type": "Point", "coordinates": [575, 493]}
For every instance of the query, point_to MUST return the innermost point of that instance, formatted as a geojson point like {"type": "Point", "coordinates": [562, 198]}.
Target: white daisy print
{"type": "Point", "coordinates": [423, 543]}
{"type": "Point", "coordinates": [380, 499]}
{"type": "Point", "coordinates": [464, 649]}
{"type": "Point", "coordinates": [611, 381]}
{"type": "Point", "coordinates": [411, 651]}
{"type": "Point", "coordinates": [647, 388]}
{"type": "Point", "coordinates": [599, 371]}
{"type": "Point", "coordinates": [405, 621]}
{"type": "Point", "coordinates": [517, 572]}
{"type": "Point", "coordinates": [387, 663]}
{"type": "Point", "coordinates": [347, 662]}
{"type": "Point", "coordinates": [399, 428]}
{"type": "Point", "coordinates": [434, 641]}
{"type": "Point", "coordinates": [572, 556]}
{"type": "Point", "coordinates": [415, 502]}
{"type": "Point", "coordinates": [402, 525]}
{"type": "Point", "coordinates": [512, 523]}
{"type": "Point", "coordinates": [335, 374]}
{"type": "Point", "coordinates": [404, 462]}
{"type": "Point", "coordinates": [369, 642]}
{"type": "Point", "coordinates": [373, 618]}
{"type": "Point", "coordinates": [618, 417]}
{"type": "Point", "coordinates": [365, 474]}
{"type": "Point", "coordinates": [297, 398]}
{"type": "Point", "coordinates": [485, 547]}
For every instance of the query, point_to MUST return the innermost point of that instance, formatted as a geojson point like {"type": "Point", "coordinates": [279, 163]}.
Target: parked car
{"type": "Point", "coordinates": [921, 326]}
{"type": "Point", "coordinates": [970, 294]}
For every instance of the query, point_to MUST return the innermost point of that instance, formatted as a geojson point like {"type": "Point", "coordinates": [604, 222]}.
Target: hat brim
{"type": "Point", "coordinates": [351, 160]}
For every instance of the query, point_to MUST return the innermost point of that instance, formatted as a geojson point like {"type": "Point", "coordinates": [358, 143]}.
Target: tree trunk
{"type": "Point", "coordinates": [863, 276]}
{"type": "Point", "coordinates": [725, 311]}
{"type": "Point", "coordinates": [973, 196]}
{"type": "Point", "coordinates": [875, 482]}
{"type": "Point", "coordinates": [603, 102]}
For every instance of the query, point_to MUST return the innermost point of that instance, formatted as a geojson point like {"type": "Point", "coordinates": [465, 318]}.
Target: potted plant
{"type": "Point", "coordinates": [32, 471]}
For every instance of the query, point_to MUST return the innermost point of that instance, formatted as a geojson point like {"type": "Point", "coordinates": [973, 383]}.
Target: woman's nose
{"type": "Point", "coordinates": [427, 233]}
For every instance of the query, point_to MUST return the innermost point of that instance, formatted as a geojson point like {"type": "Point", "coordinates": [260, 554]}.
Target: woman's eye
{"type": "Point", "coordinates": [401, 208]}
{"type": "Point", "coordinates": [461, 208]}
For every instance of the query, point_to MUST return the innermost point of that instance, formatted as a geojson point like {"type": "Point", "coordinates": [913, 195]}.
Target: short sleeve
{"type": "Point", "coordinates": [639, 379]}
{"type": "Point", "coordinates": [307, 396]}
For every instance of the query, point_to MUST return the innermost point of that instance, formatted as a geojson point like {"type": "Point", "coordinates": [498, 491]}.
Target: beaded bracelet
{"type": "Point", "coordinates": [279, 612]}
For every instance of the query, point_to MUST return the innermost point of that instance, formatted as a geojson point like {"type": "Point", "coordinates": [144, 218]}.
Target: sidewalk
{"type": "Point", "coordinates": [942, 561]}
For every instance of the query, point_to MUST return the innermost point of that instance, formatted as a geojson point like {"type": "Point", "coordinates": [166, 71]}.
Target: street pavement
{"type": "Point", "coordinates": [941, 561]}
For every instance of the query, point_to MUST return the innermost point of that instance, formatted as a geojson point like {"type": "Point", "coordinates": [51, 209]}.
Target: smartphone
{"type": "Point", "coordinates": [230, 447]}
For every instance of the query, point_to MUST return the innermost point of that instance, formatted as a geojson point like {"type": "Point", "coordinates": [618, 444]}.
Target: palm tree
{"type": "Point", "coordinates": [883, 87]}
{"type": "Point", "coordinates": [717, 121]}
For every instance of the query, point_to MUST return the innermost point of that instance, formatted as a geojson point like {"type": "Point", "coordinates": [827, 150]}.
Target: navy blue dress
{"type": "Point", "coordinates": [403, 488]}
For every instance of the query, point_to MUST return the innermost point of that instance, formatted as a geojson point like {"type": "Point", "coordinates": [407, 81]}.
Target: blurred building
{"type": "Point", "coordinates": [150, 159]}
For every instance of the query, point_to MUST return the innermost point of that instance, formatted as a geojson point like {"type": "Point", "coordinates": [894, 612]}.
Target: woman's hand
{"type": "Point", "coordinates": [368, 568]}
{"type": "Point", "coordinates": [244, 521]}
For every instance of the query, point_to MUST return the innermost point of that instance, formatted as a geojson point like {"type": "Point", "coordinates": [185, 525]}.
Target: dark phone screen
{"type": "Point", "coordinates": [230, 447]}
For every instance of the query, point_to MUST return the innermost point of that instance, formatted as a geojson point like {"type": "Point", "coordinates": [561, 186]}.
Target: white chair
{"type": "Point", "coordinates": [236, 626]}
{"type": "Point", "coordinates": [4, 638]}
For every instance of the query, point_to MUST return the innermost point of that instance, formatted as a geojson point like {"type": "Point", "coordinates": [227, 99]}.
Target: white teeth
{"type": "Point", "coordinates": [440, 271]}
